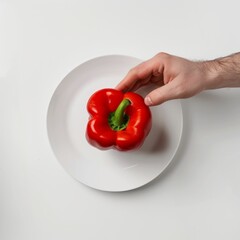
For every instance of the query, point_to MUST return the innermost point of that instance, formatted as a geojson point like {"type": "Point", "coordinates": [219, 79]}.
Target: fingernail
{"type": "Point", "coordinates": [148, 101]}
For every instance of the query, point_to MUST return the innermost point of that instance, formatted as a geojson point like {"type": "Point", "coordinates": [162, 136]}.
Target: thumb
{"type": "Point", "coordinates": [160, 95]}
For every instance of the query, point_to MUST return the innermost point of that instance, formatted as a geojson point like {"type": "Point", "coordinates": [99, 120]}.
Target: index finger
{"type": "Point", "coordinates": [128, 81]}
{"type": "Point", "coordinates": [138, 74]}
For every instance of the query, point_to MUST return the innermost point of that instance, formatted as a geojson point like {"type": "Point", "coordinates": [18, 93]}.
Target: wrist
{"type": "Point", "coordinates": [222, 72]}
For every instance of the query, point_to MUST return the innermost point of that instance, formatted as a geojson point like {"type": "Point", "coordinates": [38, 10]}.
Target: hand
{"type": "Point", "coordinates": [174, 77]}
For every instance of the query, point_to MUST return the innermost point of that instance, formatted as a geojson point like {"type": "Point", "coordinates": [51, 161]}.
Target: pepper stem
{"type": "Point", "coordinates": [118, 120]}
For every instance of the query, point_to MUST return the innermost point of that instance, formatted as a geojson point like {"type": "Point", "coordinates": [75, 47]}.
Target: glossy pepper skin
{"type": "Point", "coordinates": [117, 120]}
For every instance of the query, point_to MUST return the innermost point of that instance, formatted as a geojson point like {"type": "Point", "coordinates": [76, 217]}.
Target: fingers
{"type": "Point", "coordinates": [133, 79]}
{"type": "Point", "coordinates": [153, 71]}
{"type": "Point", "coordinates": [140, 75]}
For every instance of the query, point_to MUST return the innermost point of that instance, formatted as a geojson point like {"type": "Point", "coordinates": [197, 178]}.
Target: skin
{"type": "Point", "coordinates": [177, 77]}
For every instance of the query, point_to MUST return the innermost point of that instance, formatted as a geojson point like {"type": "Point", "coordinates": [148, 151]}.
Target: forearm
{"type": "Point", "coordinates": [223, 72]}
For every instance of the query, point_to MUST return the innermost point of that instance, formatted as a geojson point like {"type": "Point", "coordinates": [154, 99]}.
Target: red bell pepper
{"type": "Point", "coordinates": [117, 120]}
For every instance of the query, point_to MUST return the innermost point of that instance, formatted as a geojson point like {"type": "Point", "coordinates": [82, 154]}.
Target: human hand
{"type": "Point", "coordinates": [175, 77]}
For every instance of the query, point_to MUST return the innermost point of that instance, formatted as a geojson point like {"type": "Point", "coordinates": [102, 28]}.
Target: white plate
{"type": "Point", "coordinates": [109, 170]}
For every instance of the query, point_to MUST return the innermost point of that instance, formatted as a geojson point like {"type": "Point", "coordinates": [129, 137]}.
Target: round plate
{"type": "Point", "coordinates": [109, 170]}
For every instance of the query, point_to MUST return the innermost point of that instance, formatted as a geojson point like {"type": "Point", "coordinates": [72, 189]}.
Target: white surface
{"type": "Point", "coordinates": [108, 170]}
{"type": "Point", "coordinates": [197, 197]}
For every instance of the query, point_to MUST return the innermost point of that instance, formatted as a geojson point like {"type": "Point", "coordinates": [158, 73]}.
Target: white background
{"type": "Point", "coordinates": [197, 197]}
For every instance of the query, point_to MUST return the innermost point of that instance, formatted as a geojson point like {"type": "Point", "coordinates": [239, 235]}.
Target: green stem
{"type": "Point", "coordinates": [118, 120]}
